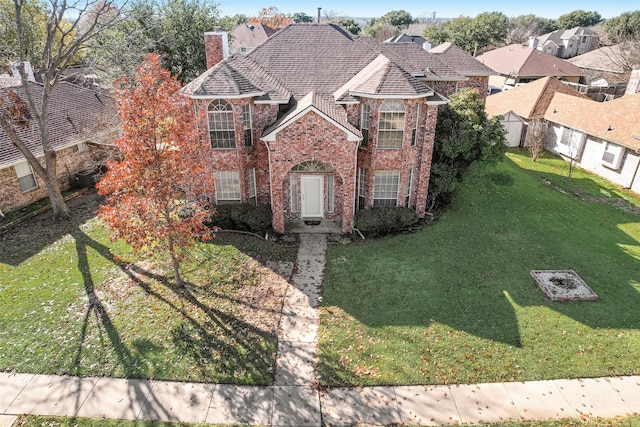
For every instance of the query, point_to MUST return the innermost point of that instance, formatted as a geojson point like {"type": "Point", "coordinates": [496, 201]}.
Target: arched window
{"type": "Point", "coordinates": [391, 124]}
{"type": "Point", "coordinates": [221, 126]}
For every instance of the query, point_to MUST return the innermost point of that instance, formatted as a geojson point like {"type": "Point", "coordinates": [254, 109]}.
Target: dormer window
{"type": "Point", "coordinates": [391, 124]}
{"type": "Point", "coordinates": [221, 126]}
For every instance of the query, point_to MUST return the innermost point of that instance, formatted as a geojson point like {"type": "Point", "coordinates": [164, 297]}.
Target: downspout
{"type": "Point", "coordinates": [270, 173]}
{"type": "Point", "coordinates": [355, 188]}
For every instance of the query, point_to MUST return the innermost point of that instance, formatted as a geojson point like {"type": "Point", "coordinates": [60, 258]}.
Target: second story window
{"type": "Point", "coordinates": [221, 127]}
{"type": "Point", "coordinates": [414, 124]}
{"type": "Point", "coordinates": [391, 124]}
{"type": "Point", "coordinates": [364, 124]}
{"type": "Point", "coordinates": [248, 127]}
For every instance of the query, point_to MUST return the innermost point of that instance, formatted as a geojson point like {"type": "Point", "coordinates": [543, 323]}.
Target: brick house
{"type": "Point", "coordinates": [319, 123]}
{"type": "Point", "coordinates": [79, 119]}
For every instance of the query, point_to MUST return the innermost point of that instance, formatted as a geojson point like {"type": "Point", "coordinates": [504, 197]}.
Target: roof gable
{"type": "Point", "coordinates": [528, 101]}
{"type": "Point", "coordinates": [326, 109]}
{"type": "Point", "coordinates": [525, 61]}
{"type": "Point", "coordinates": [460, 60]}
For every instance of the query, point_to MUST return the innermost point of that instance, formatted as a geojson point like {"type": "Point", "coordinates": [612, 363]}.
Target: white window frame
{"type": "Point", "coordinates": [386, 184]}
{"type": "Point", "coordinates": [24, 170]}
{"type": "Point", "coordinates": [247, 125]}
{"type": "Point", "coordinates": [251, 185]}
{"type": "Point", "coordinates": [79, 147]}
{"type": "Point", "coordinates": [414, 124]}
{"type": "Point", "coordinates": [612, 155]}
{"type": "Point", "coordinates": [570, 141]}
{"type": "Point", "coordinates": [391, 123]}
{"type": "Point", "coordinates": [330, 193]}
{"type": "Point", "coordinates": [221, 122]}
{"type": "Point", "coordinates": [407, 200]}
{"type": "Point", "coordinates": [365, 117]}
{"type": "Point", "coordinates": [294, 194]}
{"type": "Point", "coordinates": [228, 186]}
{"type": "Point", "coordinates": [362, 188]}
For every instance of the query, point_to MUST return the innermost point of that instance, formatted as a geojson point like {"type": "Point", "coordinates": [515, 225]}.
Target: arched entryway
{"type": "Point", "coordinates": [312, 190]}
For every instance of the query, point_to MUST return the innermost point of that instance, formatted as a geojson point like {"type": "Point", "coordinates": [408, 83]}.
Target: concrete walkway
{"type": "Point", "coordinates": [295, 400]}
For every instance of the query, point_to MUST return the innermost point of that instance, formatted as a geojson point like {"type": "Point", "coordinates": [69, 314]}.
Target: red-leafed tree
{"type": "Point", "coordinates": [156, 195]}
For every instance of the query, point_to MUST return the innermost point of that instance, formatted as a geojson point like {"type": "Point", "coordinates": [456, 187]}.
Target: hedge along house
{"type": "Point", "coordinates": [318, 122]}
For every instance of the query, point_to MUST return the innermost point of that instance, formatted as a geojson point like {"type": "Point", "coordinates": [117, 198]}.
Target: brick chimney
{"type": "Point", "coordinates": [633, 86]}
{"type": "Point", "coordinates": [216, 46]}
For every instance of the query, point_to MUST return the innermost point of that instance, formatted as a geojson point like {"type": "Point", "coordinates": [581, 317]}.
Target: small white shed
{"type": "Point", "coordinates": [513, 126]}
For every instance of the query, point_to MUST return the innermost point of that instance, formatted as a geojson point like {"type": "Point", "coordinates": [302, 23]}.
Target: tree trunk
{"type": "Point", "coordinates": [176, 265]}
{"type": "Point", "coordinates": [59, 206]}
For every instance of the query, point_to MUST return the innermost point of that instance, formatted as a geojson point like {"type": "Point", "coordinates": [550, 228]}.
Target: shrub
{"type": "Point", "coordinates": [380, 221]}
{"type": "Point", "coordinates": [243, 217]}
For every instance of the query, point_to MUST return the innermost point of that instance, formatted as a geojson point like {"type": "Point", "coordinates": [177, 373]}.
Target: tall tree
{"type": "Point", "coordinates": [156, 196]}
{"type": "Point", "coordinates": [272, 17]}
{"type": "Point", "coordinates": [578, 18]}
{"type": "Point", "coordinates": [470, 34]}
{"type": "Point", "coordinates": [465, 139]}
{"type": "Point", "coordinates": [228, 23]}
{"type": "Point", "coordinates": [521, 27]}
{"type": "Point", "coordinates": [348, 24]}
{"type": "Point", "coordinates": [397, 18]}
{"type": "Point", "coordinates": [625, 27]}
{"type": "Point", "coordinates": [70, 26]}
{"type": "Point", "coordinates": [299, 17]}
{"type": "Point", "coordinates": [379, 29]}
{"type": "Point", "coordinates": [35, 13]}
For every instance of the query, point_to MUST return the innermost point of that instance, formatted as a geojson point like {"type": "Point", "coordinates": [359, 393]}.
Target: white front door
{"type": "Point", "coordinates": [312, 196]}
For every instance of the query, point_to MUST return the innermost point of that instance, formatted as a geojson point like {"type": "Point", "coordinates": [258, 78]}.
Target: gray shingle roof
{"type": "Point", "coordinates": [237, 76]}
{"type": "Point", "coordinates": [320, 104]}
{"type": "Point", "coordinates": [460, 60]}
{"type": "Point", "coordinates": [321, 58]}
{"type": "Point", "coordinates": [77, 115]}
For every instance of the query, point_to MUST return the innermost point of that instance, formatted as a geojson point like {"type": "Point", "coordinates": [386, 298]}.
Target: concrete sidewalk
{"type": "Point", "coordinates": [296, 400]}
{"type": "Point", "coordinates": [306, 406]}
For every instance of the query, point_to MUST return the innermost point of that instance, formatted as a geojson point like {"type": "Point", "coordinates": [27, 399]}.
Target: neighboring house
{"type": "Point", "coordinates": [79, 118]}
{"type": "Point", "coordinates": [607, 70]}
{"type": "Point", "coordinates": [517, 64]}
{"type": "Point", "coordinates": [246, 37]}
{"type": "Point", "coordinates": [525, 103]}
{"type": "Point", "coordinates": [602, 137]}
{"type": "Point", "coordinates": [475, 71]}
{"type": "Point", "coordinates": [319, 123]}
{"type": "Point", "coordinates": [405, 38]}
{"type": "Point", "coordinates": [566, 43]}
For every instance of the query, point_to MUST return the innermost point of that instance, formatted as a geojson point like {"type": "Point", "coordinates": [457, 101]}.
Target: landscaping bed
{"type": "Point", "coordinates": [455, 302]}
{"type": "Point", "coordinates": [76, 303]}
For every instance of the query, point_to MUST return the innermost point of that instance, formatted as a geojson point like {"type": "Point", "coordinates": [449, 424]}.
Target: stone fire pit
{"type": "Point", "coordinates": [563, 285]}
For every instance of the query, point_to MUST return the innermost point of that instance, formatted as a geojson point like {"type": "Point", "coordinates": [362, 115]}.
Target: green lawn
{"type": "Point", "coordinates": [75, 303]}
{"type": "Point", "coordinates": [455, 302]}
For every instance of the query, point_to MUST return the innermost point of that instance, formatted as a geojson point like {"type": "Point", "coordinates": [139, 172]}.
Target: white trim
{"type": "Point", "coordinates": [375, 96]}
{"type": "Point", "coordinates": [212, 98]}
{"type": "Point", "coordinates": [436, 103]}
{"type": "Point", "coordinates": [320, 196]}
{"type": "Point", "coordinates": [271, 101]}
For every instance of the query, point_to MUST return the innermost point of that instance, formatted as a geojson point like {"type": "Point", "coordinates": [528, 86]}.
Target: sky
{"type": "Point", "coordinates": [424, 9]}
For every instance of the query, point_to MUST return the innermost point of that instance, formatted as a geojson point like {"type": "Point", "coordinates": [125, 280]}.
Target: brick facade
{"type": "Point", "coordinates": [69, 163]}
{"type": "Point", "coordinates": [312, 138]}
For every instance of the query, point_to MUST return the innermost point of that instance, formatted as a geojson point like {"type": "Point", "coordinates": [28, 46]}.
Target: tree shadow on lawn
{"type": "Point", "coordinates": [471, 270]}
{"type": "Point", "coordinates": [219, 335]}
{"type": "Point", "coordinates": [32, 236]}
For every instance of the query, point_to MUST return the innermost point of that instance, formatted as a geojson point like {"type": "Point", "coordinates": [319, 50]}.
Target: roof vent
{"type": "Point", "coordinates": [609, 128]}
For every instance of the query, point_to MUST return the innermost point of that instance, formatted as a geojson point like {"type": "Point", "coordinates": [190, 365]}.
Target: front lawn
{"type": "Point", "coordinates": [455, 302]}
{"type": "Point", "coordinates": [75, 303]}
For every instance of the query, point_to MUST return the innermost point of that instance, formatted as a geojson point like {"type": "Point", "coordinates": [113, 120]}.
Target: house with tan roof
{"type": "Point", "coordinates": [80, 119]}
{"type": "Point", "coordinates": [247, 36]}
{"type": "Point", "coordinates": [566, 43]}
{"type": "Point", "coordinates": [602, 137]}
{"type": "Point", "coordinates": [525, 103]}
{"type": "Point", "coordinates": [517, 64]}
{"type": "Point", "coordinates": [318, 123]}
{"type": "Point", "coordinates": [607, 69]}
